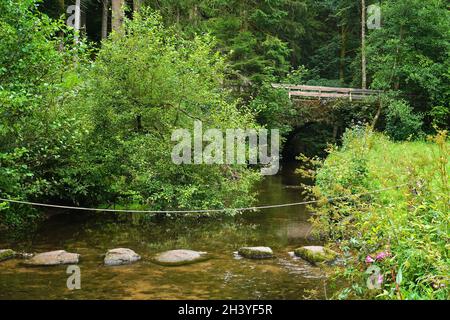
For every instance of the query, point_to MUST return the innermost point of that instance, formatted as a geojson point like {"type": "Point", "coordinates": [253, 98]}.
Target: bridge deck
{"type": "Point", "coordinates": [326, 92]}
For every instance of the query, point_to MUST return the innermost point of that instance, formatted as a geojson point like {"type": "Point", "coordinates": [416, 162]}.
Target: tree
{"type": "Point", "coordinates": [117, 15]}
{"type": "Point", "coordinates": [363, 45]}
{"type": "Point", "coordinates": [137, 5]}
{"type": "Point", "coordinates": [411, 53]}
{"type": "Point", "coordinates": [38, 137]}
{"type": "Point", "coordinates": [105, 13]}
{"type": "Point", "coordinates": [258, 36]}
{"type": "Point", "coordinates": [145, 84]}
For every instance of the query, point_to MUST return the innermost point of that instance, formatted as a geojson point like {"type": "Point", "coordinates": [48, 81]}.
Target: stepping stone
{"type": "Point", "coordinates": [53, 258]}
{"type": "Point", "coordinates": [179, 257]}
{"type": "Point", "coordinates": [256, 252]}
{"type": "Point", "coordinates": [120, 256]}
{"type": "Point", "coordinates": [6, 254]}
{"type": "Point", "coordinates": [315, 254]}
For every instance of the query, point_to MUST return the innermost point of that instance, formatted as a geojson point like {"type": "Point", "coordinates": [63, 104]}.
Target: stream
{"type": "Point", "coordinates": [225, 276]}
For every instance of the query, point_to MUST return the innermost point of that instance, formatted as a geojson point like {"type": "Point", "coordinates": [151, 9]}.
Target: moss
{"type": "Point", "coordinates": [7, 254]}
{"type": "Point", "coordinates": [255, 253]}
{"type": "Point", "coordinates": [316, 254]}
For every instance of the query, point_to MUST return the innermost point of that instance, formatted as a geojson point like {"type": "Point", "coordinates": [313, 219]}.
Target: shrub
{"type": "Point", "coordinates": [36, 134]}
{"type": "Point", "coordinates": [133, 102]}
{"type": "Point", "coordinates": [401, 122]}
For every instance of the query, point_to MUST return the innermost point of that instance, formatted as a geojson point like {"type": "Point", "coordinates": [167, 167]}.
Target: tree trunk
{"type": "Point", "coordinates": [193, 15]}
{"type": "Point", "coordinates": [377, 115]}
{"type": "Point", "coordinates": [243, 17]}
{"type": "Point", "coordinates": [397, 78]}
{"type": "Point", "coordinates": [77, 24]}
{"type": "Point", "coordinates": [105, 19]}
{"type": "Point", "coordinates": [342, 55]}
{"type": "Point", "coordinates": [78, 15]}
{"type": "Point", "coordinates": [335, 131]}
{"type": "Point", "coordinates": [117, 15]}
{"type": "Point", "coordinates": [61, 11]}
{"type": "Point", "coordinates": [83, 18]}
{"type": "Point", "coordinates": [137, 5]}
{"type": "Point", "coordinates": [363, 45]}
{"type": "Point", "coordinates": [138, 123]}
{"type": "Point", "coordinates": [61, 8]}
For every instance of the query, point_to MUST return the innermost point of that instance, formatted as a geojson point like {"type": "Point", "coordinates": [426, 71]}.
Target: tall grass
{"type": "Point", "coordinates": [402, 232]}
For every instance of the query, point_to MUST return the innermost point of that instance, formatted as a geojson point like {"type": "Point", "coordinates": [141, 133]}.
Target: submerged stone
{"type": "Point", "coordinates": [179, 257]}
{"type": "Point", "coordinates": [24, 255]}
{"type": "Point", "coordinates": [53, 258]}
{"type": "Point", "coordinates": [120, 256]}
{"type": "Point", "coordinates": [315, 254]}
{"type": "Point", "coordinates": [256, 252]}
{"type": "Point", "coordinates": [6, 254]}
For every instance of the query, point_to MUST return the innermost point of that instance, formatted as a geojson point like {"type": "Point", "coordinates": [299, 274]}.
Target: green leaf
{"type": "Point", "coordinates": [399, 277]}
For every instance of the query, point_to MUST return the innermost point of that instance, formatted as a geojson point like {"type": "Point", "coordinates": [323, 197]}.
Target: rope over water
{"type": "Point", "coordinates": [198, 210]}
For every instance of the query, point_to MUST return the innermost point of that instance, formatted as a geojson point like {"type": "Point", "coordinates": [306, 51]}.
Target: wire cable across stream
{"type": "Point", "coordinates": [254, 208]}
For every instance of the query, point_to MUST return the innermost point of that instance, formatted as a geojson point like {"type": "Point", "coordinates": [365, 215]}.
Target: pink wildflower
{"type": "Point", "coordinates": [382, 255]}
{"type": "Point", "coordinates": [380, 279]}
{"type": "Point", "coordinates": [369, 259]}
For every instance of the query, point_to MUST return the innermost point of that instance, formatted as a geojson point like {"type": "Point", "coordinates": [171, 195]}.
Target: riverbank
{"type": "Point", "coordinates": [400, 233]}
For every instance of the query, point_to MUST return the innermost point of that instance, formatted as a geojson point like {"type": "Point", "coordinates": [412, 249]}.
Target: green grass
{"type": "Point", "coordinates": [410, 223]}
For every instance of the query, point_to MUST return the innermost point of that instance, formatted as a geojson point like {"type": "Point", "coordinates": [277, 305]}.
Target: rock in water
{"type": "Point", "coordinates": [24, 255]}
{"type": "Point", "coordinates": [315, 254]}
{"type": "Point", "coordinates": [256, 252]}
{"type": "Point", "coordinates": [6, 254]}
{"type": "Point", "coordinates": [53, 258]}
{"type": "Point", "coordinates": [120, 256]}
{"type": "Point", "coordinates": [179, 257]}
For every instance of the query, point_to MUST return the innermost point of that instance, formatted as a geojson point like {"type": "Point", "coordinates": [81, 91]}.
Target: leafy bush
{"type": "Point", "coordinates": [273, 108]}
{"type": "Point", "coordinates": [401, 122]}
{"type": "Point", "coordinates": [133, 102]}
{"type": "Point", "coordinates": [37, 136]}
{"type": "Point", "coordinates": [440, 116]}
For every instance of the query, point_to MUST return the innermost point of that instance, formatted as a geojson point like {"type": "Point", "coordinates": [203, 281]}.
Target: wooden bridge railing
{"type": "Point", "coordinates": [326, 92]}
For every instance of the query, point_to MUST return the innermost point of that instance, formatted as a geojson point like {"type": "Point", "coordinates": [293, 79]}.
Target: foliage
{"type": "Point", "coordinates": [65, 120]}
{"type": "Point", "coordinates": [37, 137]}
{"type": "Point", "coordinates": [258, 35]}
{"type": "Point", "coordinates": [411, 51]}
{"type": "Point", "coordinates": [134, 102]}
{"type": "Point", "coordinates": [273, 108]}
{"type": "Point", "coordinates": [440, 117]}
{"type": "Point", "coordinates": [401, 122]}
{"type": "Point", "coordinates": [402, 230]}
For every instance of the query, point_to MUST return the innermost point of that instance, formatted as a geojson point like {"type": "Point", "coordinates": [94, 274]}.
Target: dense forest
{"type": "Point", "coordinates": [86, 116]}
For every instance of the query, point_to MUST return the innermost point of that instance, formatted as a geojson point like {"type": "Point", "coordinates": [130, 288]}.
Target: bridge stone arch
{"type": "Point", "coordinates": [323, 114]}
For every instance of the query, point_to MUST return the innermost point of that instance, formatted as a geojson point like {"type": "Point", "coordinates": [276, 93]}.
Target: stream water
{"type": "Point", "coordinates": [225, 276]}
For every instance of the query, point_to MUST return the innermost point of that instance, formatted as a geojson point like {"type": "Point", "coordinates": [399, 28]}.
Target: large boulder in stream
{"type": "Point", "coordinates": [179, 257]}
{"type": "Point", "coordinates": [256, 252]}
{"type": "Point", "coordinates": [315, 254]}
{"type": "Point", "coordinates": [6, 254]}
{"type": "Point", "coordinates": [53, 258]}
{"type": "Point", "coordinates": [120, 256]}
